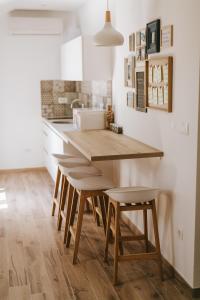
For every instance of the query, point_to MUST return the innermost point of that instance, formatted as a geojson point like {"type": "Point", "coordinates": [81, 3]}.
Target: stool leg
{"type": "Point", "coordinates": [108, 230]}
{"type": "Point", "coordinates": [157, 241]}
{"type": "Point", "coordinates": [79, 226]}
{"type": "Point", "coordinates": [72, 216]}
{"type": "Point", "coordinates": [103, 211]}
{"type": "Point", "coordinates": [62, 201]}
{"type": "Point", "coordinates": [121, 249]}
{"type": "Point", "coordinates": [116, 243]}
{"type": "Point", "coordinates": [56, 190]}
{"type": "Point", "coordinates": [95, 199]}
{"type": "Point", "coordinates": [146, 229]}
{"type": "Point", "coordinates": [69, 205]}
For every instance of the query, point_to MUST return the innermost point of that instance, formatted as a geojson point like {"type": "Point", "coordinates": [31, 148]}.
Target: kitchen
{"type": "Point", "coordinates": [31, 64]}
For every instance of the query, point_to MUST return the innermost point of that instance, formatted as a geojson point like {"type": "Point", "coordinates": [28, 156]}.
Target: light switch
{"type": "Point", "coordinates": [183, 128]}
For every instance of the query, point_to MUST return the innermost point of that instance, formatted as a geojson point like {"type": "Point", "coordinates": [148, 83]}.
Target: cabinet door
{"type": "Point", "coordinates": [52, 144]}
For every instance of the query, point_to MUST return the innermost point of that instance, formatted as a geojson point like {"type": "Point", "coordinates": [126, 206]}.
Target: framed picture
{"type": "Point", "coordinates": [153, 37]}
{"type": "Point", "coordinates": [159, 79]}
{"type": "Point", "coordinates": [138, 39]}
{"type": "Point", "coordinates": [132, 42]}
{"type": "Point", "coordinates": [129, 71]}
{"type": "Point", "coordinates": [166, 36]}
{"type": "Point", "coordinates": [138, 54]}
{"type": "Point", "coordinates": [130, 100]}
{"type": "Point", "coordinates": [140, 79]}
{"type": "Point", "coordinates": [143, 54]}
{"type": "Point", "coordinates": [143, 37]}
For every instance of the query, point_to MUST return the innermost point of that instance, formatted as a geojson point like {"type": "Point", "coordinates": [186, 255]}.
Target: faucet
{"type": "Point", "coordinates": [77, 101]}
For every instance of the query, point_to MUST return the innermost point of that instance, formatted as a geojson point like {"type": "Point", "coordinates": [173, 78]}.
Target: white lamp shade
{"type": "Point", "coordinates": [108, 36]}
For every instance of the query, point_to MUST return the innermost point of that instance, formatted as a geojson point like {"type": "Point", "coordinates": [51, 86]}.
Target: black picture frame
{"type": "Point", "coordinates": [153, 37]}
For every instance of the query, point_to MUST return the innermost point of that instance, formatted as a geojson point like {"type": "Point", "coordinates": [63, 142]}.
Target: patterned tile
{"type": "Point", "coordinates": [46, 85]}
{"type": "Point", "coordinates": [92, 93]}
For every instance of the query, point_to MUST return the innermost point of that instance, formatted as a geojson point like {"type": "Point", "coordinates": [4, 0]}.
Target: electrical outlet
{"type": "Point", "coordinates": [63, 100]}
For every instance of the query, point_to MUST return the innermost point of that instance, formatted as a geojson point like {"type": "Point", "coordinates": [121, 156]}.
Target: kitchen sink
{"type": "Point", "coordinates": [67, 121]}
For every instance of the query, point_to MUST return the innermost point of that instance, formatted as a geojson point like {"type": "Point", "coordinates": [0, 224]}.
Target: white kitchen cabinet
{"type": "Point", "coordinates": [52, 144]}
{"type": "Point", "coordinates": [81, 60]}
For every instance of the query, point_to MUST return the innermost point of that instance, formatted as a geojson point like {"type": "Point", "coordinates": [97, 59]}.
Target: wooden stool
{"type": "Point", "coordinates": [67, 197]}
{"type": "Point", "coordinates": [70, 162]}
{"type": "Point", "coordinates": [132, 199]}
{"type": "Point", "coordinates": [85, 187]}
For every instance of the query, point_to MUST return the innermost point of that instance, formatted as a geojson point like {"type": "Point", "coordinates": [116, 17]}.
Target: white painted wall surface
{"type": "Point", "coordinates": [175, 174]}
{"type": "Point", "coordinates": [24, 61]}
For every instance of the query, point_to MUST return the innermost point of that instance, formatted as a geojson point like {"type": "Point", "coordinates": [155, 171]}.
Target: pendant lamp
{"type": "Point", "coordinates": [108, 36]}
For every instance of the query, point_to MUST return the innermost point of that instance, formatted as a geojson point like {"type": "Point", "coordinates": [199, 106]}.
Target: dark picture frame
{"type": "Point", "coordinates": [140, 84]}
{"type": "Point", "coordinates": [153, 37]}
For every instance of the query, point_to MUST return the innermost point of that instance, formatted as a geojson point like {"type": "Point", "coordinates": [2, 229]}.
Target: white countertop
{"type": "Point", "coordinates": [59, 129]}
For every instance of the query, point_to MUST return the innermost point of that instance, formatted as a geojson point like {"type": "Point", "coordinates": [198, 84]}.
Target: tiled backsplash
{"type": "Point", "coordinates": [92, 93]}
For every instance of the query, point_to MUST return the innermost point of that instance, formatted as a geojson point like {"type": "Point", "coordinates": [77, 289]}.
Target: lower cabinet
{"type": "Point", "coordinates": [52, 144]}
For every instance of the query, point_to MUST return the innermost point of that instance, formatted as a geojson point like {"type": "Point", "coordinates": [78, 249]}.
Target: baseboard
{"type": "Point", "coordinates": [170, 270]}
{"type": "Point", "coordinates": [196, 293]}
{"type": "Point", "coordinates": [36, 169]}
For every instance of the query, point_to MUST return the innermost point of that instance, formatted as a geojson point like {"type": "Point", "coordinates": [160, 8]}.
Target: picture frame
{"type": "Point", "coordinates": [138, 39]}
{"type": "Point", "coordinates": [143, 37]}
{"type": "Point", "coordinates": [132, 42]}
{"type": "Point", "coordinates": [140, 84]}
{"type": "Point", "coordinates": [129, 71]}
{"type": "Point", "coordinates": [143, 55]}
{"type": "Point", "coordinates": [166, 36]}
{"type": "Point", "coordinates": [153, 37]}
{"type": "Point", "coordinates": [130, 99]}
{"type": "Point", "coordinates": [159, 91]}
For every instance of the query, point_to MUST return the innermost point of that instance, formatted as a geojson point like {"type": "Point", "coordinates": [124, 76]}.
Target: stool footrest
{"type": "Point", "coordinates": [141, 256]}
{"type": "Point", "coordinates": [73, 231]}
{"type": "Point", "coordinates": [129, 238]}
{"type": "Point", "coordinates": [63, 214]}
{"type": "Point", "coordinates": [135, 207]}
{"type": "Point", "coordinates": [98, 212]}
{"type": "Point", "coordinates": [55, 200]}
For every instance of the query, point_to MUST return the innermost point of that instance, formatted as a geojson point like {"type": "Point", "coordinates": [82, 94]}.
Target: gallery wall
{"type": "Point", "coordinates": [174, 174]}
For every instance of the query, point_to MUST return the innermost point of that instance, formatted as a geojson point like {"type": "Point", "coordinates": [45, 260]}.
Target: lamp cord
{"type": "Point", "coordinates": [107, 4]}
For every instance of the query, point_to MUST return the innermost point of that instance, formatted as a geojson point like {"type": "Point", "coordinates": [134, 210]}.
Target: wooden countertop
{"type": "Point", "coordinates": [98, 145]}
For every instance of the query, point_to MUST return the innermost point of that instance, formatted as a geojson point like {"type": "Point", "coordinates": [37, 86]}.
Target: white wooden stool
{"type": "Point", "coordinates": [132, 199]}
{"type": "Point", "coordinates": [66, 199]}
{"type": "Point", "coordinates": [85, 187]}
{"type": "Point", "coordinates": [70, 162]}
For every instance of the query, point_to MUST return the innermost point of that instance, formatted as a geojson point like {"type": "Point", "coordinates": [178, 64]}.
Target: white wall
{"type": "Point", "coordinates": [24, 61]}
{"type": "Point", "coordinates": [175, 174]}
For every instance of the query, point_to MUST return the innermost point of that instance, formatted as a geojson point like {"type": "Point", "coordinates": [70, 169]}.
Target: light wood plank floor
{"type": "Point", "coordinates": [35, 265]}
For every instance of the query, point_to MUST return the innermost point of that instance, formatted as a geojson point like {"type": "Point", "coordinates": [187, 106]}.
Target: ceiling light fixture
{"type": "Point", "coordinates": [108, 36]}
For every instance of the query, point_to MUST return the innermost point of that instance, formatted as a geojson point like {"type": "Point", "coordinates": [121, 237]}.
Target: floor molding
{"type": "Point", "coordinates": [36, 169]}
{"type": "Point", "coordinates": [171, 272]}
{"type": "Point", "coordinates": [196, 293]}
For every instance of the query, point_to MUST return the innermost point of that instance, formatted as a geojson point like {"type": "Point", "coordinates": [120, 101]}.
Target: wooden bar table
{"type": "Point", "coordinates": [102, 145]}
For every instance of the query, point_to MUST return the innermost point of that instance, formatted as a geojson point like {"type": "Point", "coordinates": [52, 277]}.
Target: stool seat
{"type": "Point", "coordinates": [138, 194]}
{"type": "Point", "coordinates": [72, 163]}
{"type": "Point", "coordinates": [80, 181]}
{"type": "Point", "coordinates": [87, 170]}
{"type": "Point", "coordinates": [62, 157]}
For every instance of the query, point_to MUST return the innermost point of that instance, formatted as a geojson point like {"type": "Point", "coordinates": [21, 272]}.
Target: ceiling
{"type": "Point", "coordinates": [61, 5]}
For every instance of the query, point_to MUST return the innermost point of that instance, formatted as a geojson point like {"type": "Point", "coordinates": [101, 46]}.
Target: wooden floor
{"type": "Point", "coordinates": [35, 265]}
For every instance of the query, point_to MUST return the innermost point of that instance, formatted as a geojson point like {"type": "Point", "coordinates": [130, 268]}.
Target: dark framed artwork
{"type": "Point", "coordinates": [140, 78]}
{"type": "Point", "coordinates": [153, 37]}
